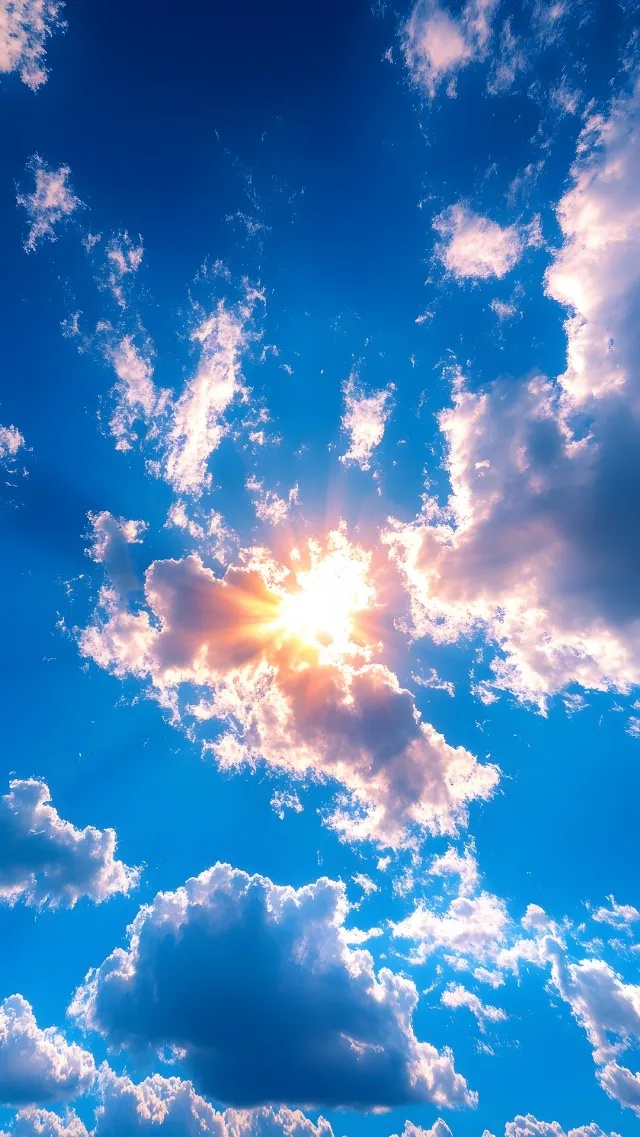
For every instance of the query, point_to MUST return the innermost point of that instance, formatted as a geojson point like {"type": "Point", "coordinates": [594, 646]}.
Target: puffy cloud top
{"type": "Point", "coordinates": [256, 986]}
{"type": "Point", "coordinates": [474, 246]}
{"type": "Point", "coordinates": [45, 860]}
{"type": "Point", "coordinates": [38, 1066]}
{"type": "Point", "coordinates": [364, 420]}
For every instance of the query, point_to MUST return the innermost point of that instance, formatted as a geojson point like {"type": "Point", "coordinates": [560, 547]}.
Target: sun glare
{"type": "Point", "coordinates": [322, 609]}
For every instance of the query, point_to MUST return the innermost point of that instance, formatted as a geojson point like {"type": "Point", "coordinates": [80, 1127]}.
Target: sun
{"type": "Point", "coordinates": [321, 609]}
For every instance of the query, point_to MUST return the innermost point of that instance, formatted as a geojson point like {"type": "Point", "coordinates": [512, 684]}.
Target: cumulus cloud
{"type": "Point", "coordinates": [438, 1129]}
{"type": "Point", "coordinates": [51, 202]}
{"type": "Point", "coordinates": [281, 659]}
{"type": "Point", "coordinates": [621, 1085]}
{"type": "Point", "coordinates": [166, 1106]}
{"type": "Point", "coordinates": [438, 45]}
{"type": "Point", "coordinates": [470, 926]}
{"type": "Point", "coordinates": [45, 860]}
{"type": "Point", "coordinates": [364, 420]}
{"type": "Point", "coordinates": [529, 1126]}
{"type": "Point", "coordinates": [456, 996]}
{"type": "Point", "coordinates": [32, 1122]}
{"type": "Point", "coordinates": [229, 963]}
{"type": "Point", "coordinates": [11, 440]}
{"type": "Point", "coordinates": [38, 1066]}
{"type": "Point", "coordinates": [197, 423]}
{"type": "Point", "coordinates": [538, 545]}
{"type": "Point", "coordinates": [25, 26]}
{"type": "Point", "coordinates": [473, 246]}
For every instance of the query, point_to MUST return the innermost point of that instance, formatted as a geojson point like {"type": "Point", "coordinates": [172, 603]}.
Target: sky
{"type": "Point", "coordinates": [320, 457]}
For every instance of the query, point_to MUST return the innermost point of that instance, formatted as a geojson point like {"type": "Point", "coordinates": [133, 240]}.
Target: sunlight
{"type": "Point", "coordinates": [322, 610]}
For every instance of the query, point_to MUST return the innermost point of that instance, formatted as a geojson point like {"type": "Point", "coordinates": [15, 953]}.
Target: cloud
{"type": "Point", "coordinates": [11, 440]}
{"type": "Point", "coordinates": [25, 26]}
{"type": "Point", "coordinates": [529, 1126]}
{"type": "Point", "coordinates": [434, 681]}
{"type": "Point", "coordinates": [621, 1085]}
{"type": "Point", "coordinates": [364, 420]}
{"type": "Point", "coordinates": [38, 1065]}
{"type": "Point", "coordinates": [453, 863]}
{"type": "Point", "coordinates": [618, 915]}
{"type": "Point", "coordinates": [168, 1107]}
{"type": "Point", "coordinates": [280, 800]}
{"type": "Point", "coordinates": [279, 657]}
{"type": "Point", "coordinates": [457, 996]}
{"type": "Point", "coordinates": [45, 860]}
{"type": "Point", "coordinates": [110, 540]}
{"type": "Point", "coordinates": [538, 545]}
{"type": "Point", "coordinates": [123, 259]}
{"type": "Point", "coordinates": [51, 202]}
{"type": "Point", "coordinates": [257, 987]}
{"type": "Point", "coordinates": [437, 46]}
{"type": "Point", "coordinates": [32, 1122]}
{"type": "Point", "coordinates": [438, 1129]}
{"type": "Point", "coordinates": [197, 424]}
{"type": "Point", "coordinates": [470, 926]}
{"type": "Point", "coordinates": [268, 505]}
{"type": "Point", "coordinates": [137, 400]}
{"type": "Point", "coordinates": [474, 246]}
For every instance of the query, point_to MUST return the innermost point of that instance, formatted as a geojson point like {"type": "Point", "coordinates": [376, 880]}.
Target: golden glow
{"type": "Point", "coordinates": [321, 611]}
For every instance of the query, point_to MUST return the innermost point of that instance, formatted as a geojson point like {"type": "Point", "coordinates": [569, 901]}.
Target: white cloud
{"type": "Point", "coordinates": [474, 246]}
{"type": "Point", "coordinates": [529, 1126]}
{"type": "Point", "coordinates": [364, 420]}
{"type": "Point", "coordinates": [618, 915]}
{"type": "Point", "coordinates": [621, 1085]}
{"type": "Point", "coordinates": [457, 996]}
{"type": "Point", "coordinates": [198, 424]}
{"type": "Point", "coordinates": [267, 503]}
{"type": "Point", "coordinates": [538, 544]}
{"type": "Point", "coordinates": [229, 963]}
{"type": "Point", "coordinates": [438, 1129]}
{"type": "Point", "coordinates": [434, 681]}
{"type": "Point", "coordinates": [437, 45]}
{"type": "Point", "coordinates": [45, 860]}
{"type": "Point", "coordinates": [25, 26]}
{"type": "Point", "coordinates": [365, 883]}
{"type": "Point", "coordinates": [38, 1066]}
{"type": "Point", "coordinates": [137, 398]}
{"type": "Point", "coordinates": [51, 202]}
{"type": "Point", "coordinates": [168, 1107]}
{"type": "Point", "coordinates": [470, 926]}
{"type": "Point", "coordinates": [11, 440]}
{"type": "Point", "coordinates": [274, 651]}
{"type": "Point", "coordinates": [453, 863]}
{"type": "Point", "coordinates": [123, 259]}
{"type": "Point", "coordinates": [282, 800]}
{"type": "Point", "coordinates": [32, 1122]}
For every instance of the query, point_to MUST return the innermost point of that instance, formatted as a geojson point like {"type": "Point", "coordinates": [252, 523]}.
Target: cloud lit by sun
{"type": "Point", "coordinates": [321, 609]}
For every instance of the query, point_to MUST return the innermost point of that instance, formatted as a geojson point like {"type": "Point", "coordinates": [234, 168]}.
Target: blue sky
{"type": "Point", "coordinates": [319, 435]}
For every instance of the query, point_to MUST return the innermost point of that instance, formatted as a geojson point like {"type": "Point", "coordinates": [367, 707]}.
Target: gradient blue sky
{"type": "Point", "coordinates": [440, 203]}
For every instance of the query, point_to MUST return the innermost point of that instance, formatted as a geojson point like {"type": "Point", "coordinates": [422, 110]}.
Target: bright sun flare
{"type": "Point", "coordinates": [321, 611]}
